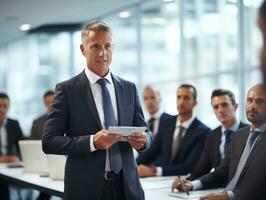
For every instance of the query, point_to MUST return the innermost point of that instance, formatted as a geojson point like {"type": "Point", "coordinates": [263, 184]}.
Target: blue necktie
{"type": "Point", "coordinates": [109, 118]}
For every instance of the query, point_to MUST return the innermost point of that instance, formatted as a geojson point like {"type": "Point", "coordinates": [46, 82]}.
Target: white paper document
{"type": "Point", "coordinates": [194, 194]}
{"type": "Point", "coordinates": [125, 130]}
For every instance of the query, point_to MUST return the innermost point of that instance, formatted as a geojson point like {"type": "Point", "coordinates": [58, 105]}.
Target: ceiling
{"type": "Point", "coordinates": [38, 13]}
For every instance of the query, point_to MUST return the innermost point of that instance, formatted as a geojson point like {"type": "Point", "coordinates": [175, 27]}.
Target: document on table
{"type": "Point", "coordinates": [194, 195]}
{"type": "Point", "coordinates": [125, 130]}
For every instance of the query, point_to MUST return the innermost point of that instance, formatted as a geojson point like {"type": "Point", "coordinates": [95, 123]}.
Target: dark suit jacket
{"type": "Point", "coordinates": [14, 134]}
{"type": "Point", "coordinates": [210, 157]}
{"type": "Point", "coordinates": [74, 114]}
{"type": "Point", "coordinates": [252, 181]}
{"type": "Point", "coordinates": [187, 153]}
{"type": "Point", "coordinates": [37, 128]}
{"type": "Point", "coordinates": [164, 116]}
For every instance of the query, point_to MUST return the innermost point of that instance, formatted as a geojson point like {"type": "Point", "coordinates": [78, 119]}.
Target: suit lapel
{"type": "Point", "coordinates": [260, 144]}
{"type": "Point", "coordinates": [86, 94]}
{"type": "Point", "coordinates": [119, 99]}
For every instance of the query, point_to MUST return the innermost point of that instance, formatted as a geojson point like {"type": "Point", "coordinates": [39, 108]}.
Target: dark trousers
{"type": "Point", "coordinates": [113, 187]}
{"type": "Point", "coordinates": [4, 190]}
{"type": "Point", "coordinates": [43, 196]}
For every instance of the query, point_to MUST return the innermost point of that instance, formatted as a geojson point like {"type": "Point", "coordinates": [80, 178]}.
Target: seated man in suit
{"type": "Point", "coordinates": [10, 134]}
{"type": "Point", "coordinates": [179, 141]}
{"type": "Point", "coordinates": [216, 145]}
{"type": "Point", "coordinates": [243, 168]}
{"type": "Point", "coordinates": [37, 128]}
{"type": "Point", "coordinates": [38, 124]}
{"type": "Point", "coordinates": [152, 100]}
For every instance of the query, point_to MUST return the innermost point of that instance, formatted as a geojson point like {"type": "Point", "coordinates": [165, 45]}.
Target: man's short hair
{"type": "Point", "coordinates": [48, 93]}
{"type": "Point", "coordinates": [194, 93]}
{"type": "Point", "coordinates": [151, 88]}
{"type": "Point", "coordinates": [93, 26]}
{"type": "Point", "coordinates": [222, 92]}
{"type": "Point", "coordinates": [4, 96]}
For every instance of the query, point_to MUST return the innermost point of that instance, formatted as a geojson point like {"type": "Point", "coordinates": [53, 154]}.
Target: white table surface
{"type": "Point", "coordinates": [155, 188]}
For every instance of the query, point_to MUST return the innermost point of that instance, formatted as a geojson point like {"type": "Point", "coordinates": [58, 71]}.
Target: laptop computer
{"type": "Point", "coordinates": [34, 160]}
{"type": "Point", "coordinates": [56, 166]}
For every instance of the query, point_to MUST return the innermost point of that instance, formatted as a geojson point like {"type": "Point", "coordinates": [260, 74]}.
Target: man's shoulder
{"type": "Point", "coordinates": [71, 81]}
{"type": "Point", "coordinates": [197, 124]}
{"type": "Point", "coordinates": [40, 118]}
{"type": "Point", "coordinates": [121, 80]}
{"type": "Point", "coordinates": [12, 122]}
{"type": "Point", "coordinates": [165, 116]}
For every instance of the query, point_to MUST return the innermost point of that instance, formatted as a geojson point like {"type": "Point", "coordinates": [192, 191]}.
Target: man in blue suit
{"type": "Point", "coordinates": [152, 101]}
{"type": "Point", "coordinates": [179, 142]}
{"type": "Point", "coordinates": [99, 166]}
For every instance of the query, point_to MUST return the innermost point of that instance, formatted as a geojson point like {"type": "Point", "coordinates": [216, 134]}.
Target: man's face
{"type": "Point", "coordinates": [151, 101]}
{"type": "Point", "coordinates": [256, 106]}
{"type": "Point", "coordinates": [224, 109]}
{"type": "Point", "coordinates": [4, 104]}
{"type": "Point", "coordinates": [48, 102]}
{"type": "Point", "coordinates": [98, 51]}
{"type": "Point", "coordinates": [185, 101]}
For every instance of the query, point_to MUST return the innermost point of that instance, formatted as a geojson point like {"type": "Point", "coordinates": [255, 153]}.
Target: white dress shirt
{"type": "Point", "coordinates": [97, 96]}
{"type": "Point", "coordinates": [3, 136]}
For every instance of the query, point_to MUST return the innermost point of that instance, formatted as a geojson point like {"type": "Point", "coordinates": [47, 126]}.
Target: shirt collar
{"type": "Point", "coordinates": [93, 78]}
{"type": "Point", "coordinates": [233, 128]}
{"type": "Point", "coordinates": [156, 115]}
{"type": "Point", "coordinates": [261, 129]}
{"type": "Point", "coordinates": [4, 123]}
{"type": "Point", "coordinates": [185, 124]}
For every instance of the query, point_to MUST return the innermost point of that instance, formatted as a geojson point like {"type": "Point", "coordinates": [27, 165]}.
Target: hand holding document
{"type": "Point", "coordinates": [125, 130]}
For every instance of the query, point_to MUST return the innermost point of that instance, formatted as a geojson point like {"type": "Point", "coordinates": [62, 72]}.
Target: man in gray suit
{"type": "Point", "coordinates": [243, 168]}
{"type": "Point", "coordinates": [99, 166]}
{"type": "Point", "coordinates": [38, 124]}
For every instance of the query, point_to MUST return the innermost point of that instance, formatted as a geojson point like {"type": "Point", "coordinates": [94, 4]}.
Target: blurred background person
{"type": "Point", "coordinates": [152, 101]}
{"type": "Point", "coordinates": [10, 134]}
{"type": "Point", "coordinates": [37, 126]}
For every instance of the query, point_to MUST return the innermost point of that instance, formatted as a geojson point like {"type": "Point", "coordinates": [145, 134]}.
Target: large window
{"type": "Point", "coordinates": [208, 43]}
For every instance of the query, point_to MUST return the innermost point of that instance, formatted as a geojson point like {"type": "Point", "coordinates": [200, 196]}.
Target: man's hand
{"type": "Point", "coordinates": [103, 140]}
{"type": "Point", "coordinates": [145, 171]}
{"type": "Point", "coordinates": [181, 185]}
{"type": "Point", "coordinates": [219, 196]}
{"type": "Point", "coordinates": [137, 140]}
{"type": "Point", "coordinates": [9, 159]}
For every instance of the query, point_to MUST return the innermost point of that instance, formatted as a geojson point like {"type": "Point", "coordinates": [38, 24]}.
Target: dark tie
{"type": "Point", "coordinates": [248, 148]}
{"type": "Point", "coordinates": [109, 119]}
{"type": "Point", "coordinates": [151, 123]}
{"type": "Point", "coordinates": [228, 134]}
{"type": "Point", "coordinates": [176, 141]}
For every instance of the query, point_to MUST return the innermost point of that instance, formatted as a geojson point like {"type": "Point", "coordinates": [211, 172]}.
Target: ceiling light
{"type": "Point", "coordinates": [124, 14]}
{"type": "Point", "coordinates": [168, 1]}
{"type": "Point", "coordinates": [25, 27]}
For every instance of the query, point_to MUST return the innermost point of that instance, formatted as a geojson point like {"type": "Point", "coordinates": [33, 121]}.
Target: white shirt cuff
{"type": "Point", "coordinates": [230, 195]}
{"type": "Point", "coordinates": [92, 147]}
{"type": "Point", "coordinates": [196, 185]}
{"type": "Point", "coordinates": [159, 171]}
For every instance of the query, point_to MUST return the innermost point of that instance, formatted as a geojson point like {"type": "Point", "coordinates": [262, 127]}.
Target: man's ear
{"type": "Point", "coordinates": [236, 106]}
{"type": "Point", "coordinates": [82, 49]}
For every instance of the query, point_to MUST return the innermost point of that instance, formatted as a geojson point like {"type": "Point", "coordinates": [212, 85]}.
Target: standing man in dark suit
{"type": "Point", "coordinates": [179, 142]}
{"type": "Point", "coordinates": [99, 166]}
{"type": "Point", "coordinates": [38, 124]}
{"type": "Point", "coordinates": [217, 142]}
{"type": "Point", "coordinates": [243, 168]}
{"type": "Point", "coordinates": [152, 100]}
{"type": "Point", "coordinates": [10, 134]}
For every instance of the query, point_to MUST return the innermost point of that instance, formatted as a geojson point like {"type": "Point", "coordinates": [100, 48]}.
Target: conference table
{"type": "Point", "coordinates": [155, 188]}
